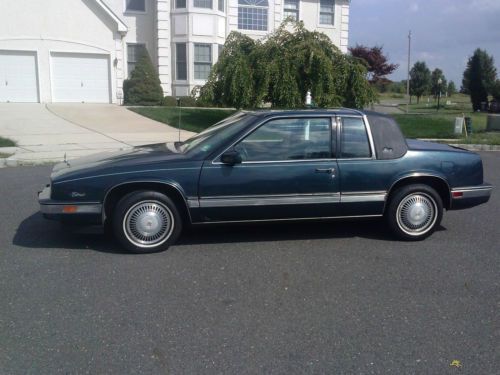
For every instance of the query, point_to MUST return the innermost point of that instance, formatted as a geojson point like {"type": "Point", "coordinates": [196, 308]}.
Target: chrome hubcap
{"type": "Point", "coordinates": [416, 214]}
{"type": "Point", "coordinates": [148, 224]}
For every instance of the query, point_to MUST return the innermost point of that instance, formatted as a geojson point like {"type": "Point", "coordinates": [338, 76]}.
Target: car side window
{"type": "Point", "coordinates": [288, 139]}
{"type": "Point", "coordinates": [354, 141]}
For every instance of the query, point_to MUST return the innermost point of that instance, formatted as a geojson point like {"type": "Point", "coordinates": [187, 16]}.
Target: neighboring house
{"type": "Point", "coordinates": [82, 50]}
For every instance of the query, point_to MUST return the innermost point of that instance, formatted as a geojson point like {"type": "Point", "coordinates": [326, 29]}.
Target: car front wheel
{"type": "Point", "coordinates": [414, 212]}
{"type": "Point", "coordinates": [146, 222]}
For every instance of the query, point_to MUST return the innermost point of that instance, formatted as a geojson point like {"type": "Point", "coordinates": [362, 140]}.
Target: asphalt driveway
{"type": "Point", "coordinates": [49, 132]}
{"type": "Point", "coordinates": [315, 298]}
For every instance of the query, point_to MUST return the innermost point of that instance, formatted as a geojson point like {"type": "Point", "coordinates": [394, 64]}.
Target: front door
{"type": "Point", "coordinates": [288, 170]}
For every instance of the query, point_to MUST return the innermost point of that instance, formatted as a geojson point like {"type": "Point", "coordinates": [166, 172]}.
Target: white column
{"type": "Point", "coordinates": [344, 28]}
{"type": "Point", "coordinates": [164, 49]}
{"type": "Point", "coordinates": [118, 67]}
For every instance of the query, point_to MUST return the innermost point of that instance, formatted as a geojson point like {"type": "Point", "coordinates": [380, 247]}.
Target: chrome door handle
{"type": "Point", "coordinates": [326, 170]}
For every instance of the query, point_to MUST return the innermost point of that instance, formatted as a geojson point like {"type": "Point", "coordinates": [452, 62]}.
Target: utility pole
{"type": "Point", "coordinates": [408, 77]}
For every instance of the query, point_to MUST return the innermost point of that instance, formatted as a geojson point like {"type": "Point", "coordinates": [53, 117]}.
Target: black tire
{"type": "Point", "coordinates": [146, 222]}
{"type": "Point", "coordinates": [414, 212]}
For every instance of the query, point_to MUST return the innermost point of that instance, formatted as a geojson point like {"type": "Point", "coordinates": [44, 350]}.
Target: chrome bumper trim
{"type": "Point", "coordinates": [482, 191]}
{"type": "Point", "coordinates": [54, 209]}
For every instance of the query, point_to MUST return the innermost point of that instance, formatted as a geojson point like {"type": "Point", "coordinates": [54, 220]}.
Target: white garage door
{"type": "Point", "coordinates": [78, 78]}
{"type": "Point", "coordinates": [18, 77]}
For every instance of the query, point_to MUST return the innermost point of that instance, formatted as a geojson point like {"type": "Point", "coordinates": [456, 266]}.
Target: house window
{"type": "Point", "coordinates": [252, 14]}
{"type": "Point", "coordinates": [135, 5]}
{"type": "Point", "coordinates": [203, 4]}
{"type": "Point", "coordinates": [221, 5]}
{"type": "Point", "coordinates": [134, 53]}
{"type": "Point", "coordinates": [291, 9]}
{"type": "Point", "coordinates": [180, 4]}
{"type": "Point", "coordinates": [202, 60]}
{"type": "Point", "coordinates": [181, 61]}
{"type": "Point", "coordinates": [327, 12]}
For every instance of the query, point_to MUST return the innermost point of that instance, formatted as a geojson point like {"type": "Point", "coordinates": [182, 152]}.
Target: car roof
{"type": "Point", "coordinates": [315, 111]}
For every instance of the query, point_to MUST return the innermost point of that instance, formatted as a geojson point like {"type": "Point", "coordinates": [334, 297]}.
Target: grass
{"type": "Point", "coordinates": [192, 119]}
{"type": "Point", "coordinates": [458, 103]}
{"type": "Point", "coordinates": [5, 142]}
{"type": "Point", "coordinates": [442, 126]}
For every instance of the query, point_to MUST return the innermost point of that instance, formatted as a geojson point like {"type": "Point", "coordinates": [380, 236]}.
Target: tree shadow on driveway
{"type": "Point", "coordinates": [36, 232]}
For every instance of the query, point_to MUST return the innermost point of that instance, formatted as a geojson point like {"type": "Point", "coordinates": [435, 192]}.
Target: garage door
{"type": "Point", "coordinates": [18, 77]}
{"type": "Point", "coordinates": [78, 78]}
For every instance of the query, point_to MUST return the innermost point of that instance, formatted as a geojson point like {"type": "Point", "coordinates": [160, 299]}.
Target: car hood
{"type": "Point", "coordinates": [134, 156]}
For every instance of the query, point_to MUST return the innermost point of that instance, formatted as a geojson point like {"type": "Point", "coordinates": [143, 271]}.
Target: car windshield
{"type": "Point", "coordinates": [212, 137]}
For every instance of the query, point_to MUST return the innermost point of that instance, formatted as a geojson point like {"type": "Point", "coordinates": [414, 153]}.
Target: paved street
{"type": "Point", "coordinates": [315, 298]}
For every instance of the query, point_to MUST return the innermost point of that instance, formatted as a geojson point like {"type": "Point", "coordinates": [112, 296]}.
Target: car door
{"type": "Point", "coordinates": [362, 176]}
{"type": "Point", "coordinates": [287, 170]}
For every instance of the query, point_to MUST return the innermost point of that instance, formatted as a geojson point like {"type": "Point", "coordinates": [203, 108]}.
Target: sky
{"type": "Point", "coordinates": [445, 33]}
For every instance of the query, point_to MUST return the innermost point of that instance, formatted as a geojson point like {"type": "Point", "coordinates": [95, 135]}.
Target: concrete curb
{"type": "Point", "coordinates": [13, 162]}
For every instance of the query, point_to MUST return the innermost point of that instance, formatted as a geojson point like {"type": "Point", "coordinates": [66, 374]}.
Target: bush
{"type": "Point", "coordinates": [186, 101]}
{"type": "Point", "coordinates": [143, 87]}
{"type": "Point", "coordinates": [169, 101]}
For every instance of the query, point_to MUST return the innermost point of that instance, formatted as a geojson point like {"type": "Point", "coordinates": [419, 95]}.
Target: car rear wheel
{"type": "Point", "coordinates": [146, 222]}
{"type": "Point", "coordinates": [414, 212]}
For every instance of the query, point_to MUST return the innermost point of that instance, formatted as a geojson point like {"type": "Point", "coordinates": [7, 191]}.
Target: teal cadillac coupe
{"type": "Point", "coordinates": [269, 166]}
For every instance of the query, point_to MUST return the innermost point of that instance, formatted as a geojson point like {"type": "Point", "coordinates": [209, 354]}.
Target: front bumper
{"type": "Point", "coordinates": [75, 212]}
{"type": "Point", "coordinates": [466, 197]}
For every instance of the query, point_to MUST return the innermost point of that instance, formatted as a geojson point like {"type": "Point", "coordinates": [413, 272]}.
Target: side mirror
{"type": "Point", "coordinates": [231, 157]}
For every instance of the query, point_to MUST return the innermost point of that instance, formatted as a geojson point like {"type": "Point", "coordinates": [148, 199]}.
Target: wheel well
{"type": "Point", "coordinates": [436, 183]}
{"type": "Point", "coordinates": [115, 194]}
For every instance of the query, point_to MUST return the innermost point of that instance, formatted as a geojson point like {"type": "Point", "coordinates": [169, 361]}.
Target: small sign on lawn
{"type": "Point", "coordinates": [461, 126]}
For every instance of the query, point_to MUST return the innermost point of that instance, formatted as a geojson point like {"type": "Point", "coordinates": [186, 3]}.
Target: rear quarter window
{"type": "Point", "coordinates": [354, 141]}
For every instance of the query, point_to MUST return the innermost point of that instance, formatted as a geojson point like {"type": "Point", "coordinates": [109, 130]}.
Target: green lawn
{"type": "Point", "coordinates": [192, 119]}
{"type": "Point", "coordinates": [457, 103]}
{"type": "Point", "coordinates": [442, 125]}
{"type": "Point", "coordinates": [4, 142]}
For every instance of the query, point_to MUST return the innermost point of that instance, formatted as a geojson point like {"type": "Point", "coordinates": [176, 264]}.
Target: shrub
{"type": "Point", "coordinates": [143, 87]}
{"type": "Point", "coordinates": [186, 101]}
{"type": "Point", "coordinates": [169, 101]}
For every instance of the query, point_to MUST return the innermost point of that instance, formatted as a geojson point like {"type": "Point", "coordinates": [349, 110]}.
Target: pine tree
{"type": "Point", "coordinates": [143, 87]}
{"type": "Point", "coordinates": [479, 78]}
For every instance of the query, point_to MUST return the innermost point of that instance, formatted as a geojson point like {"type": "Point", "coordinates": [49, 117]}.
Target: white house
{"type": "Point", "coordinates": [82, 50]}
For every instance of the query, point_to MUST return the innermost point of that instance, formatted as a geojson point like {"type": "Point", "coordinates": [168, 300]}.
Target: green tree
{"type": "Point", "coordinates": [143, 87]}
{"type": "Point", "coordinates": [495, 90]}
{"type": "Point", "coordinates": [438, 88]}
{"type": "Point", "coordinates": [420, 80]}
{"type": "Point", "coordinates": [281, 69]}
{"type": "Point", "coordinates": [452, 89]}
{"type": "Point", "coordinates": [479, 77]}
